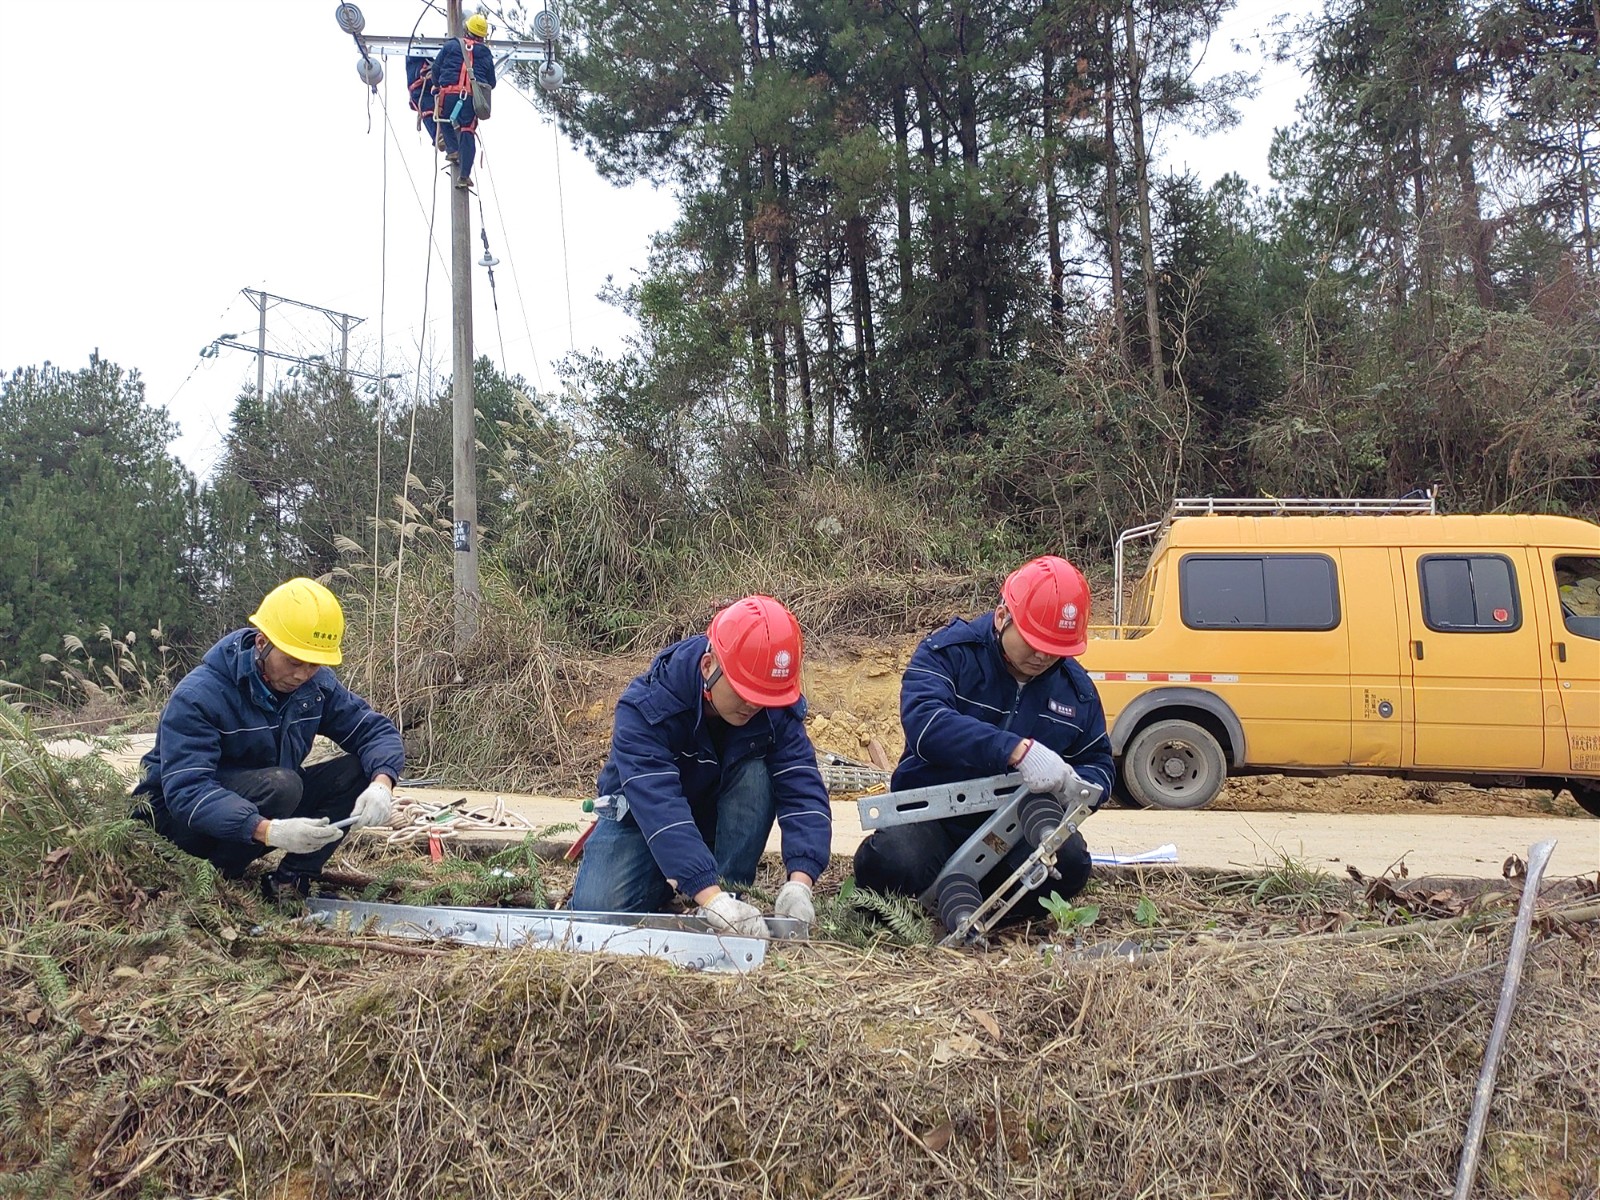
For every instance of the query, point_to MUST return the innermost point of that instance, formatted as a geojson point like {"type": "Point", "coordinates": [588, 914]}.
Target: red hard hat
{"type": "Point", "coordinates": [1049, 601]}
{"type": "Point", "coordinates": [758, 645]}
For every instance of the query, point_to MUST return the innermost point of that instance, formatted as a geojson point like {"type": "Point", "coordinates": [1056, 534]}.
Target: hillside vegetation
{"type": "Point", "coordinates": [933, 305]}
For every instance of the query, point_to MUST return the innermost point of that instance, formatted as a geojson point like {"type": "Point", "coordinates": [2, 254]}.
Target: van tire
{"type": "Point", "coordinates": [1174, 764]}
{"type": "Point", "coordinates": [1587, 795]}
{"type": "Point", "coordinates": [1120, 795]}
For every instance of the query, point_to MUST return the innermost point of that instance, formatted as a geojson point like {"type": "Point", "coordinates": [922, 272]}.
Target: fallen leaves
{"type": "Point", "coordinates": [963, 1045]}
{"type": "Point", "coordinates": [990, 1025]}
{"type": "Point", "coordinates": [1415, 902]}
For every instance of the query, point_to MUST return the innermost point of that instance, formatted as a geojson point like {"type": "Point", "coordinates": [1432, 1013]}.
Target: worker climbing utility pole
{"type": "Point", "coordinates": [463, 429]}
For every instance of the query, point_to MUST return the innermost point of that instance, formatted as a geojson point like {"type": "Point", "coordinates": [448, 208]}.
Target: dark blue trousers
{"type": "Point", "coordinates": [328, 789]}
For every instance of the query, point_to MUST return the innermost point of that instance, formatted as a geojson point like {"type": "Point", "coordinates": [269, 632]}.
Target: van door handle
{"type": "Point", "coordinates": [1561, 652]}
{"type": "Point", "coordinates": [1416, 649]}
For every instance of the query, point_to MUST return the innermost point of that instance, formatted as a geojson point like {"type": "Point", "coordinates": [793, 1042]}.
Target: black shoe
{"type": "Point", "coordinates": [285, 887]}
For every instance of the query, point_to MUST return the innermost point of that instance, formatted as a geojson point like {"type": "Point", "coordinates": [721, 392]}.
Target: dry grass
{"type": "Point", "coordinates": [1277, 1071]}
{"type": "Point", "coordinates": [1254, 1066]}
{"type": "Point", "coordinates": [159, 1044]}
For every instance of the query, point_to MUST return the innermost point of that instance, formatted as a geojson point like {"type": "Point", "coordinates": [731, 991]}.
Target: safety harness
{"type": "Point", "coordinates": [461, 89]}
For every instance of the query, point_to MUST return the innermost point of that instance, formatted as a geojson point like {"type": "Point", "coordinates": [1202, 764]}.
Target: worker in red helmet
{"type": "Point", "coordinates": [708, 750]}
{"type": "Point", "coordinates": [996, 694]}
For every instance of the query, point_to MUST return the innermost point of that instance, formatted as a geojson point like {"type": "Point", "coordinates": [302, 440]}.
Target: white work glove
{"type": "Point", "coordinates": [302, 835]}
{"type": "Point", "coordinates": [1042, 769]}
{"type": "Point", "coordinates": [794, 900]}
{"type": "Point", "coordinates": [373, 806]}
{"type": "Point", "coordinates": [728, 914]}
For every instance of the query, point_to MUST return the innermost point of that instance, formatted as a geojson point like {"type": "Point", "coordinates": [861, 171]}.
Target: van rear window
{"type": "Point", "coordinates": [1259, 591]}
{"type": "Point", "coordinates": [1469, 593]}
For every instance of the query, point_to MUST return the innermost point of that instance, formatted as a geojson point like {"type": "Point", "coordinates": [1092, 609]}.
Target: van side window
{"type": "Point", "coordinates": [1469, 593]}
{"type": "Point", "coordinates": [1258, 591]}
{"type": "Point", "coordinates": [1578, 588]}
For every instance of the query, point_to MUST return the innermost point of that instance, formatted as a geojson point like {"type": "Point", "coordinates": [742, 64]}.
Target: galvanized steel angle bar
{"type": "Point", "coordinates": [509, 928]}
{"type": "Point", "coordinates": [938, 801]}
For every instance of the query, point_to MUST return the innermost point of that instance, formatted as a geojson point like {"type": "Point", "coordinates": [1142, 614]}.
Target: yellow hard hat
{"type": "Point", "coordinates": [303, 619]}
{"type": "Point", "coordinates": [478, 25]}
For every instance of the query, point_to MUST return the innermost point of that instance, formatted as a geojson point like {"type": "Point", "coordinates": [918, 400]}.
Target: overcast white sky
{"type": "Point", "coordinates": [204, 146]}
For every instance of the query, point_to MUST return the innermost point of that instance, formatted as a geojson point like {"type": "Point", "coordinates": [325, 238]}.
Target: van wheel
{"type": "Point", "coordinates": [1120, 794]}
{"type": "Point", "coordinates": [1587, 796]}
{"type": "Point", "coordinates": [1174, 764]}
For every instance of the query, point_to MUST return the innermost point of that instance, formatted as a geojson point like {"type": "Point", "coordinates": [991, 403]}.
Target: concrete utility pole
{"type": "Point", "coordinates": [463, 426]}
{"type": "Point", "coordinates": [259, 299]}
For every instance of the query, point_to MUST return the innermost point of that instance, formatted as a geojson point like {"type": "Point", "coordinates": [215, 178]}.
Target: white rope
{"type": "Point", "coordinates": [416, 393]}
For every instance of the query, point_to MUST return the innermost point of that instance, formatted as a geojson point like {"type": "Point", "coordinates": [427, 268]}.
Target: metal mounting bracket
{"type": "Point", "coordinates": [1001, 796]}
{"type": "Point", "coordinates": [684, 941]}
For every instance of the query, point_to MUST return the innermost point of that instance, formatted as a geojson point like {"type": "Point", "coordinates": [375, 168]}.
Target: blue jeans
{"type": "Point", "coordinates": [619, 874]}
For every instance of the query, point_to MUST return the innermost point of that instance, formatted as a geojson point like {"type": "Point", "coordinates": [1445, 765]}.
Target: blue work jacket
{"type": "Point", "coordinates": [964, 714]}
{"type": "Point", "coordinates": [447, 64]}
{"type": "Point", "coordinates": [223, 717]}
{"type": "Point", "coordinates": [663, 759]}
{"type": "Point", "coordinates": [419, 82]}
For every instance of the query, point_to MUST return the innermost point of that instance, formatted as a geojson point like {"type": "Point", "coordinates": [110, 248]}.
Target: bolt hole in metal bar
{"type": "Point", "coordinates": [938, 801]}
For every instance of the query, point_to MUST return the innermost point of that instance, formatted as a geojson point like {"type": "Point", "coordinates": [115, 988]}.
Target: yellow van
{"type": "Point", "coordinates": [1323, 636]}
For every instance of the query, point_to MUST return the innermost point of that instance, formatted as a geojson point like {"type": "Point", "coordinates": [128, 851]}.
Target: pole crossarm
{"type": "Point", "coordinates": [332, 314]}
{"type": "Point", "coordinates": [390, 47]}
{"type": "Point", "coordinates": [233, 344]}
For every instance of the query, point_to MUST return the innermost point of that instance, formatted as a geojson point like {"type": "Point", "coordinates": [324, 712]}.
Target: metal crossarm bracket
{"type": "Point", "coordinates": [548, 929]}
{"type": "Point", "coordinates": [937, 802]}
{"type": "Point", "coordinates": [1015, 815]}
{"type": "Point", "coordinates": [778, 928]}
{"type": "Point", "coordinates": [1033, 871]}
{"type": "Point", "coordinates": [429, 47]}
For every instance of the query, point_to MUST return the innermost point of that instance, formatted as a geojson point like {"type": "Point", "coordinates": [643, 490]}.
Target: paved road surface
{"type": "Point", "coordinates": [1455, 846]}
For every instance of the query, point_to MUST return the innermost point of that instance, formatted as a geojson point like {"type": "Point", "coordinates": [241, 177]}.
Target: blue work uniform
{"type": "Point", "coordinates": [687, 799]}
{"type": "Point", "coordinates": [230, 751]}
{"type": "Point", "coordinates": [422, 93]}
{"type": "Point", "coordinates": [964, 716]}
{"type": "Point", "coordinates": [454, 112]}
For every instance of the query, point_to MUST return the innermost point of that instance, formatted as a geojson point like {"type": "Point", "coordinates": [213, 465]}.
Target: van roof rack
{"type": "Point", "coordinates": [1266, 506]}
{"type": "Point", "coordinates": [1420, 501]}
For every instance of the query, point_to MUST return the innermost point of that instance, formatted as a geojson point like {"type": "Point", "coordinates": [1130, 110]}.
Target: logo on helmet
{"type": "Point", "coordinates": [1069, 617]}
{"type": "Point", "coordinates": [780, 664]}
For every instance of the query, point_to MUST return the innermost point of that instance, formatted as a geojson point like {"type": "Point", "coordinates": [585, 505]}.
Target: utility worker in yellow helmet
{"type": "Point", "coordinates": [226, 779]}
{"type": "Point", "coordinates": [459, 63]}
